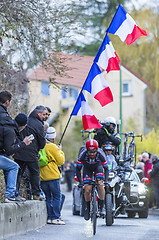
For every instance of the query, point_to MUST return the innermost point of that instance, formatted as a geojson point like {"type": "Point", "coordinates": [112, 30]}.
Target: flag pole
{"type": "Point", "coordinates": [69, 118]}
{"type": "Point", "coordinates": [65, 129]}
{"type": "Point", "coordinates": [71, 115]}
{"type": "Point", "coordinates": [121, 120]}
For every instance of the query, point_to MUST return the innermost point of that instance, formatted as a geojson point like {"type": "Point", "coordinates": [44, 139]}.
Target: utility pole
{"type": "Point", "coordinates": [121, 119]}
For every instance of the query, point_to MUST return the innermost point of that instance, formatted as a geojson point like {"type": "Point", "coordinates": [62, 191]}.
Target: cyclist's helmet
{"type": "Point", "coordinates": [107, 147]}
{"type": "Point", "coordinates": [92, 144]}
{"type": "Point", "coordinates": [110, 124]}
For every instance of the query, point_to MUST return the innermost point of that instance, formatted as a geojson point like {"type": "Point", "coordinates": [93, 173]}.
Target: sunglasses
{"type": "Point", "coordinates": [92, 151]}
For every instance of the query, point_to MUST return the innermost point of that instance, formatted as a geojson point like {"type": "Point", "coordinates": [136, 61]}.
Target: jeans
{"type": "Point", "coordinates": [10, 169]}
{"type": "Point", "coordinates": [62, 201]}
{"type": "Point", "coordinates": [52, 192]}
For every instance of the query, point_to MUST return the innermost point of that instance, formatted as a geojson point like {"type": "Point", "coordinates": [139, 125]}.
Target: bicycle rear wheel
{"type": "Point", "coordinates": [94, 212]}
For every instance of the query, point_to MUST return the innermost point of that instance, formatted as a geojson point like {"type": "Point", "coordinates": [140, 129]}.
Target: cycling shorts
{"type": "Point", "coordinates": [88, 173]}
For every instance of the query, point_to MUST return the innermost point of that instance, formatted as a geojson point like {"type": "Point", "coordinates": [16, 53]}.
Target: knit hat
{"type": "Point", "coordinates": [51, 133]}
{"type": "Point", "coordinates": [21, 119]}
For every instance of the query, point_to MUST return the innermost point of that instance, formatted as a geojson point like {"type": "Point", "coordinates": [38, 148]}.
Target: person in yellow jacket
{"type": "Point", "coordinates": [50, 178]}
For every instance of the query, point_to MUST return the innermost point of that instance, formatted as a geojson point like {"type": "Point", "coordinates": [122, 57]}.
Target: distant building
{"type": "Point", "coordinates": [63, 98]}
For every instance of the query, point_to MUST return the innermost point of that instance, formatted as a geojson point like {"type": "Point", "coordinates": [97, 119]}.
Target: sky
{"type": "Point", "coordinates": [140, 3]}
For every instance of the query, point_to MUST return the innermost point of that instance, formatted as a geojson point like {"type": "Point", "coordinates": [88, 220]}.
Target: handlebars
{"type": "Point", "coordinates": [88, 136]}
{"type": "Point", "coordinates": [131, 134]}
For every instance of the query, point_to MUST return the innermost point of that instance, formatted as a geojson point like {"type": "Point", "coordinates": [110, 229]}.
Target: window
{"type": "Point", "coordinates": [45, 90]}
{"type": "Point", "coordinates": [69, 92]}
{"type": "Point", "coordinates": [64, 92]}
{"type": "Point", "coordinates": [75, 94]}
{"type": "Point", "coordinates": [127, 88]}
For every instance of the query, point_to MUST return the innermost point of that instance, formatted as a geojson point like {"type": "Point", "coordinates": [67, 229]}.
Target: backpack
{"type": "Point", "coordinates": [43, 158]}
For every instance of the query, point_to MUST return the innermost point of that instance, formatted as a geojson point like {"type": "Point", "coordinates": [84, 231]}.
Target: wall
{"type": "Point", "coordinates": [19, 218]}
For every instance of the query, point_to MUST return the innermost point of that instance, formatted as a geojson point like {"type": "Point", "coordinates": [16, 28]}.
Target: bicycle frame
{"type": "Point", "coordinates": [84, 136]}
{"type": "Point", "coordinates": [132, 146]}
{"type": "Point", "coordinates": [129, 150]}
{"type": "Point", "coordinates": [125, 147]}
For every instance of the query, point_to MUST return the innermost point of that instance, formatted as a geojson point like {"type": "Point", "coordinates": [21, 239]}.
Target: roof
{"type": "Point", "coordinates": [77, 70]}
{"type": "Point", "coordinates": [136, 75]}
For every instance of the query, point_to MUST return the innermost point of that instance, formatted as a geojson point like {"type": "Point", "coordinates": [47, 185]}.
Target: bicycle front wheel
{"type": "Point", "coordinates": [108, 208]}
{"type": "Point", "coordinates": [94, 213]}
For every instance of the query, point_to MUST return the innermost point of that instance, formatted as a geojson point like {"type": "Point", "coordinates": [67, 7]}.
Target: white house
{"type": "Point", "coordinates": [62, 98]}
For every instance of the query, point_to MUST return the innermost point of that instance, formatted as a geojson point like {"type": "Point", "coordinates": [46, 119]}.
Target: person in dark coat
{"type": "Point", "coordinates": [30, 157]}
{"type": "Point", "coordinates": [5, 99]}
{"type": "Point", "coordinates": [107, 133]}
{"type": "Point", "coordinates": [154, 173]}
{"type": "Point", "coordinates": [9, 144]}
{"type": "Point", "coordinates": [69, 172]}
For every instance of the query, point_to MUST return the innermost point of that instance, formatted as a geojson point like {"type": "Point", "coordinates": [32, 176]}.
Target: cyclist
{"type": "Point", "coordinates": [94, 162]}
{"type": "Point", "coordinates": [108, 149]}
{"type": "Point", "coordinates": [107, 133]}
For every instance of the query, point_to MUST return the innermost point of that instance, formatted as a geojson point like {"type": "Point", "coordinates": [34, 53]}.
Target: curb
{"type": "Point", "coordinates": [19, 218]}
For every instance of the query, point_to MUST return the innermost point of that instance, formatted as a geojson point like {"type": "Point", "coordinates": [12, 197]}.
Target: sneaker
{"type": "Point", "coordinates": [58, 222]}
{"type": "Point", "coordinates": [49, 221]}
{"type": "Point", "coordinates": [21, 198]}
{"type": "Point", "coordinates": [86, 214]}
{"type": "Point", "coordinates": [12, 199]}
{"type": "Point", "coordinates": [36, 197]}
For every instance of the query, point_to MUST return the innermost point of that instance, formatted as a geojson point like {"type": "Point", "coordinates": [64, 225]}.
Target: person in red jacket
{"type": "Point", "coordinates": [147, 168]}
{"type": "Point", "coordinates": [148, 164]}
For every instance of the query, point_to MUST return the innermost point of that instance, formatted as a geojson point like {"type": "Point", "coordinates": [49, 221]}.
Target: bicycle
{"type": "Point", "coordinates": [132, 146]}
{"type": "Point", "coordinates": [125, 147]}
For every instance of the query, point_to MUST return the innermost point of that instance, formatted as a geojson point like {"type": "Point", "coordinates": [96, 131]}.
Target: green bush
{"type": "Point", "coordinates": [150, 143]}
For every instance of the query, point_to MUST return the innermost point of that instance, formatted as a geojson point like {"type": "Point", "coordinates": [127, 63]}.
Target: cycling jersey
{"type": "Point", "coordinates": [98, 165]}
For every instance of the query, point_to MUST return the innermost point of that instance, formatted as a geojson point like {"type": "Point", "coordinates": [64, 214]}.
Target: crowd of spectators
{"type": "Point", "coordinates": [148, 167]}
{"type": "Point", "coordinates": [21, 140]}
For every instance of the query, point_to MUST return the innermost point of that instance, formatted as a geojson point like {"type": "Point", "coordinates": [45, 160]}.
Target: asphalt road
{"type": "Point", "coordinates": [77, 228]}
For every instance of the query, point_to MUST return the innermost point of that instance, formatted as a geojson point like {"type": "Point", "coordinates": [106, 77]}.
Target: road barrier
{"type": "Point", "coordinates": [19, 218]}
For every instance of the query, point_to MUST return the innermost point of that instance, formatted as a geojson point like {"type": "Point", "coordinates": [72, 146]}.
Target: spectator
{"type": "Point", "coordinates": [140, 169]}
{"type": "Point", "coordinates": [148, 164]}
{"type": "Point", "coordinates": [5, 99]}
{"type": "Point", "coordinates": [50, 178]}
{"type": "Point", "coordinates": [48, 112]}
{"type": "Point", "coordinates": [30, 157]}
{"type": "Point", "coordinates": [147, 167]}
{"type": "Point", "coordinates": [69, 172]}
{"type": "Point", "coordinates": [154, 173]}
{"type": "Point", "coordinates": [9, 144]}
{"type": "Point", "coordinates": [46, 125]}
{"type": "Point", "coordinates": [139, 158]}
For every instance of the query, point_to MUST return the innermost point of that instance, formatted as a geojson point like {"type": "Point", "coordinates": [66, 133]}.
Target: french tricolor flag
{"type": "Point", "coordinates": [124, 26]}
{"type": "Point", "coordinates": [106, 57]}
{"type": "Point", "coordinates": [96, 85]}
{"type": "Point", "coordinates": [82, 109]}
